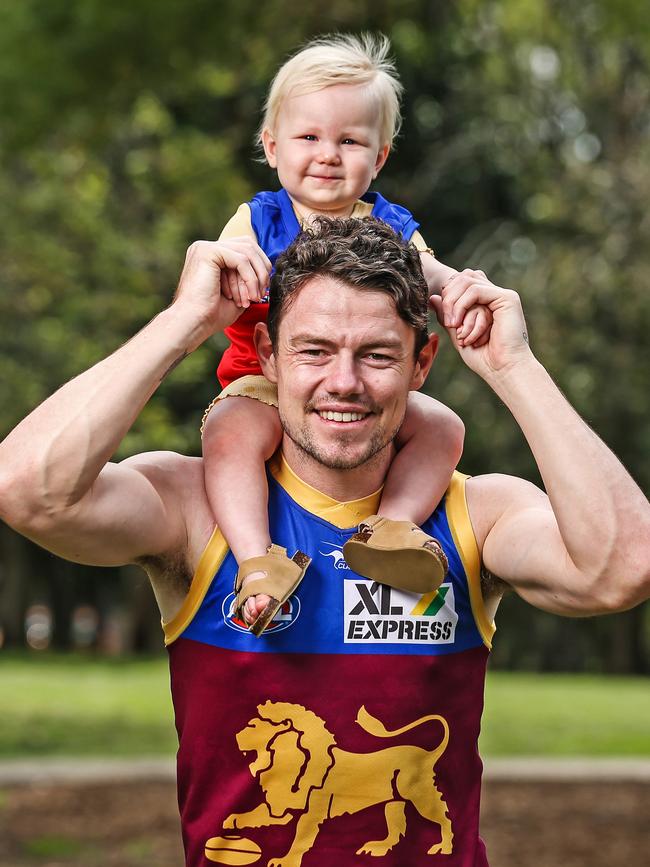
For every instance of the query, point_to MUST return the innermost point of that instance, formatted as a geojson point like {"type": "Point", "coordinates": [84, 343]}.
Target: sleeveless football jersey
{"type": "Point", "coordinates": [275, 225]}
{"type": "Point", "coordinates": [347, 734]}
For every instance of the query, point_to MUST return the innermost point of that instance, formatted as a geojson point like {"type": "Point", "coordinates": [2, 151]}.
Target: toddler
{"type": "Point", "coordinates": [331, 116]}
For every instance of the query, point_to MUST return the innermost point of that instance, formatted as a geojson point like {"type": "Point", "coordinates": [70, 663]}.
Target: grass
{"type": "Point", "coordinates": [53, 847]}
{"type": "Point", "coordinates": [566, 715]}
{"type": "Point", "coordinates": [60, 705]}
{"type": "Point", "coordinates": [77, 705]}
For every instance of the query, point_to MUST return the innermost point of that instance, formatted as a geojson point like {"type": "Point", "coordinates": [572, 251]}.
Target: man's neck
{"type": "Point", "coordinates": [340, 484]}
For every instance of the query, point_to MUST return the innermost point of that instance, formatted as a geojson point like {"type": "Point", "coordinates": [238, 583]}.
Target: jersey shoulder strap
{"type": "Point", "coordinates": [398, 218]}
{"type": "Point", "coordinates": [274, 221]}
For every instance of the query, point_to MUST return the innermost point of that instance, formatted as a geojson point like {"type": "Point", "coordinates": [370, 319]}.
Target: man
{"type": "Point", "coordinates": [350, 729]}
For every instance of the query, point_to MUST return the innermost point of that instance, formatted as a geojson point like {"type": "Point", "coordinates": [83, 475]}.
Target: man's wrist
{"type": "Point", "coordinates": [187, 328]}
{"type": "Point", "coordinates": [515, 379]}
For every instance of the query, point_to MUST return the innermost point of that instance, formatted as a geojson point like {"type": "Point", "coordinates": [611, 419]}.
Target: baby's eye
{"type": "Point", "coordinates": [309, 137]}
{"type": "Point", "coordinates": [349, 141]}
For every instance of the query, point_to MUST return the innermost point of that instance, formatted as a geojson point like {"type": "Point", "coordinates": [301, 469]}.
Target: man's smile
{"type": "Point", "coordinates": [332, 415]}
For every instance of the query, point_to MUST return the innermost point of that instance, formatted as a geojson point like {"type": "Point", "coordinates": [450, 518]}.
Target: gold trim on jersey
{"type": "Point", "coordinates": [342, 515]}
{"type": "Point", "coordinates": [465, 541]}
{"type": "Point", "coordinates": [211, 559]}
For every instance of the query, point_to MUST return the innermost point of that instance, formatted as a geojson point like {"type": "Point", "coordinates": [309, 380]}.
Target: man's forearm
{"type": "Point", "coordinates": [52, 458]}
{"type": "Point", "coordinates": [602, 515]}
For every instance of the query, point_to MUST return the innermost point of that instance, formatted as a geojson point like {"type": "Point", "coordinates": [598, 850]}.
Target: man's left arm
{"type": "Point", "coordinates": [584, 547]}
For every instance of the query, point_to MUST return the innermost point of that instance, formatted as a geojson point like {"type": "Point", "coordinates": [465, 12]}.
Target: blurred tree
{"type": "Point", "coordinates": [127, 131]}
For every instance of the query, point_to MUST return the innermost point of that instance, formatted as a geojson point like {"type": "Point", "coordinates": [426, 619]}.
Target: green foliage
{"type": "Point", "coordinates": [530, 139]}
{"type": "Point", "coordinates": [128, 130]}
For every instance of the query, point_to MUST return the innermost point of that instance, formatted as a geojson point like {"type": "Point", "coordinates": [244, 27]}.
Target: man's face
{"type": "Point", "coordinates": [344, 365]}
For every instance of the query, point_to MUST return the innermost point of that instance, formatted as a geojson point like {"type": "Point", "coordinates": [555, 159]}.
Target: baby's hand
{"type": "Point", "coordinates": [476, 323]}
{"type": "Point", "coordinates": [243, 285]}
{"type": "Point", "coordinates": [474, 330]}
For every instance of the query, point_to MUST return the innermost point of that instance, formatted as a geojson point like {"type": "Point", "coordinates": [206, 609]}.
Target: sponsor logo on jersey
{"type": "Point", "coordinates": [375, 613]}
{"type": "Point", "coordinates": [336, 555]}
{"type": "Point", "coordinates": [285, 617]}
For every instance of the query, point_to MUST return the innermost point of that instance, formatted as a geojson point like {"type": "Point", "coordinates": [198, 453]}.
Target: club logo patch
{"type": "Point", "coordinates": [335, 555]}
{"type": "Point", "coordinates": [285, 617]}
{"type": "Point", "coordinates": [306, 779]}
{"type": "Point", "coordinates": [375, 613]}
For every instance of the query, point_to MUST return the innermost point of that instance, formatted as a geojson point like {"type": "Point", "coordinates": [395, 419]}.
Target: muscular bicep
{"type": "Point", "coordinates": [130, 512]}
{"type": "Point", "coordinates": [523, 546]}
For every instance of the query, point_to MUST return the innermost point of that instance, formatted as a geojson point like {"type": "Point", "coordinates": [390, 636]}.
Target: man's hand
{"type": "Point", "coordinates": [220, 279]}
{"type": "Point", "coordinates": [507, 340]}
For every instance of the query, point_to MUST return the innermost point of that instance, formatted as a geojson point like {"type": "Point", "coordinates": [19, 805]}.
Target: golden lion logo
{"type": "Point", "coordinates": [300, 769]}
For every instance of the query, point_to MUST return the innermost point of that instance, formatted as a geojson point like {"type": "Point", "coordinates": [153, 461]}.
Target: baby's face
{"type": "Point", "coordinates": [326, 148]}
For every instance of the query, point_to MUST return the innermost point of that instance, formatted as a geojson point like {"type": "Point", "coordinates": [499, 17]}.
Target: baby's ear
{"type": "Point", "coordinates": [382, 156]}
{"type": "Point", "coordinates": [265, 352]}
{"type": "Point", "coordinates": [269, 145]}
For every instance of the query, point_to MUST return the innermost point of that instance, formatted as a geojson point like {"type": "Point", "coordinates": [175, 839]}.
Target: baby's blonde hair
{"type": "Point", "coordinates": [340, 59]}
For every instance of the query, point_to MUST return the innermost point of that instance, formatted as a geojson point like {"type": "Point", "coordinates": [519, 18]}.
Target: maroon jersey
{"type": "Point", "coordinates": [347, 734]}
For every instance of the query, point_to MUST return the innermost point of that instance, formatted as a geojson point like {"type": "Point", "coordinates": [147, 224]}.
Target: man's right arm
{"type": "Point", "coordinates": [56, 485]}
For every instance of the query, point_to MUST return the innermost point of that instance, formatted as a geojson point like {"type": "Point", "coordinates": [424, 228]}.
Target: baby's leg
{"type": "Point", "coordinates": [430, 443]}
{"type": "Point", "coordinates": [239, 435]}
{"type": "Point", "coordinates": [390, 547]}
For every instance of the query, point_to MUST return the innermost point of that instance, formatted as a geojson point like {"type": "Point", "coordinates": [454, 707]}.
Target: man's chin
{"type": "Point", "coordinates": [340, 455]}
{"type": "Point", "coordinates": [340, 461]}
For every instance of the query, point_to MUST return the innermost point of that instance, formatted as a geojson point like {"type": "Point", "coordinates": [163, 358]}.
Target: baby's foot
{"type": "Point", "coordinates": [254, 605]}
{"type": "Point", "coordinates": [276, 577]}
{"type": "Point", "coordinates": [397, 553]}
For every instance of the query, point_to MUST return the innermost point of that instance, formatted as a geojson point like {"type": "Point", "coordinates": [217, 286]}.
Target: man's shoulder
{"type": "Point", "coordinates": [178, 479]}
{"type": "Point", "coordinates": [166, 465]}
{"type": "Point", "coordinates": [491, 495]}
{"type": "Point", "coordinates": [179, 482]}
{"type": "Point", "coordinates": [490, 485]}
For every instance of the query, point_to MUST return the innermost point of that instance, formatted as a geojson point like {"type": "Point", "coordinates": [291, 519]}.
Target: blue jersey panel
{"type": "Point", "coordinates": [334, 610]}
{"type": "Point", "coordinates": [275, 223]}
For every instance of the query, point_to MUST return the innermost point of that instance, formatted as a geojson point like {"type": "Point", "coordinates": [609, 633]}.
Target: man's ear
{"type": "Point", "coordinates": [424, 362]}
{"type": "Point", "coordinates": [265, 352]}
{"type": "Point", "coordinates": [269, 145]}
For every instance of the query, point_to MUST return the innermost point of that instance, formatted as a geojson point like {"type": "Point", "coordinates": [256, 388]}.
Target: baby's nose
{"type": "Point", "coordinates": [329, 153]}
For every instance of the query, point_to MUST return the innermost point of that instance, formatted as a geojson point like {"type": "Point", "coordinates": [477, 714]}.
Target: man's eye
{"type": "Point", "coordinates": [313, 353]}
{"type": "Point", "coordinates": [378, 356]}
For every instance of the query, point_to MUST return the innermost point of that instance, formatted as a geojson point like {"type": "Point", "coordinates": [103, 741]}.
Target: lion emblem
{"type": "Point", "coordinates": [301, 770]}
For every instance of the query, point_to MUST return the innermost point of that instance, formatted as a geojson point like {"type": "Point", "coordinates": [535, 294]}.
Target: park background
{"type": "Point", "coordinates": [126, 132]}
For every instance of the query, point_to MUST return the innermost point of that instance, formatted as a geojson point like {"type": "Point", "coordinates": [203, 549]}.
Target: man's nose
{"type": "Point", "coordinates": [343, 376]}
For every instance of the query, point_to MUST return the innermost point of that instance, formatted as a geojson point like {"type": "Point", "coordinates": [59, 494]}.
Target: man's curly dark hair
{"type": "Point", "coordinates": [366, 254]}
